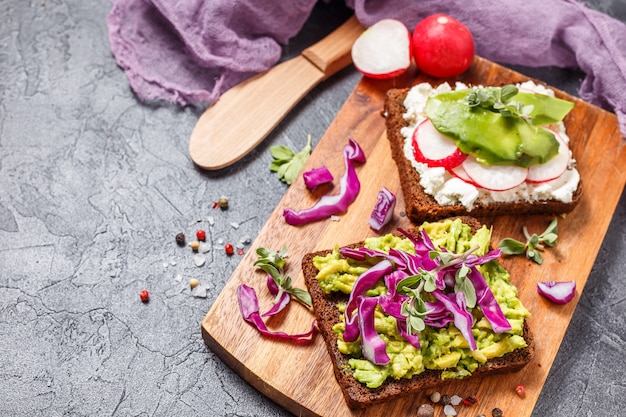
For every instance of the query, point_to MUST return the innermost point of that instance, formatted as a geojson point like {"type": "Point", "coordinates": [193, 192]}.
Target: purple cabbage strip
{"type": "Point", "coordinates": [463, 320]}
{"type": "Point", "coordinates": [474, 260]}
{"type": "Point", "coordinates": [391, 302]}
{"type": "Point", "coordinates": [438, 315]}
{"type": "Point", "coordinates": [364, 282]}
{"type": "Point", "coordinates": [330, 205]}
{"type": "Point", "coordinates": [383, 210]}
{"type": "Point", "coordinates": [373, 347]}
{"type": "Point", "coordinates": [488, 303]}
{"type": "Point", "coordinates": [413, 339]}
{"type": "Point", "coordinates": [361, 254]}
{"type": "Point", "coordinates": [561, 292]}
{"type": "Point", "coordinates": [317, 176]}
{"type": "Point", "coordinates": [281, 303]}
{"type": "Point", "coordinates": [249, 307]}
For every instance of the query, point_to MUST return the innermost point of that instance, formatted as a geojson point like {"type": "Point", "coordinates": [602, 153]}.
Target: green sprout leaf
{"type": "Point", "coordinates": [287, 164]}
{"type": "Point", "coordinates": [273, 263]}
{"type": "Point", "coordinates": [534, 243]}
{"type": "Point", "coordinates": [511, 246]}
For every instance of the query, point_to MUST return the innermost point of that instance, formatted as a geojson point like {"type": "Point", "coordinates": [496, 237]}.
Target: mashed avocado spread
{"type": "Point", "coordinates": [443, 348]}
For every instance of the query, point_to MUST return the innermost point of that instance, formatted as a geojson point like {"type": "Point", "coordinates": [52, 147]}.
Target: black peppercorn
{"type": "Point", "coordinates": [496, 412]}
{"type": "Point", "coordinates": [180, 238]}
{"type": "Point", "coordinates": [445, 399]}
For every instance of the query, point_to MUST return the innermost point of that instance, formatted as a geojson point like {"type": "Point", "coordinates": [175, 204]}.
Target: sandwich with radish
{"type": "Point", "coordinates": [482, 150]}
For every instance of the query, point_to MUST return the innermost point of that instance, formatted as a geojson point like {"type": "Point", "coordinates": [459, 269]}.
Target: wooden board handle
{"type": "Point", "coordinates": [333, 53]}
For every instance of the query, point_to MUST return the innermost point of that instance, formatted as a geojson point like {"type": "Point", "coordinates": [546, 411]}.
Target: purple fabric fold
{"type": "Point", "coordinates": [191, 51]}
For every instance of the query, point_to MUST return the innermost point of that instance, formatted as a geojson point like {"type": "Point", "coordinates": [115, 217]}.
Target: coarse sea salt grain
{"type": "Point", "coordinates": [449, 410]}
{"type": "Point", "coordinates": [204, 247]}
{"type": "Point", "coordinates": [199, 291]}
{"type": "Point", "coordinates": [199, 259]}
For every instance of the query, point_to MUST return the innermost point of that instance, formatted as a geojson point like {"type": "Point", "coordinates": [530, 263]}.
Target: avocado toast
{"type": "Point", "coordinates": [362, 299]}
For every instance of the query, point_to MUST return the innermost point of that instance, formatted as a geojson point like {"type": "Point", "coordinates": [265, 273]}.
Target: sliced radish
{"type": "Point", "coordinates": [383, 50]}
{"type": "Point", "coordinates": [555, 167]}
{"type": "Point", "coordinates": [434, 148]}
{"type": "Point", "coordinates": [494, 177]}
{"type": "Point", "coordinates": [459, 172]}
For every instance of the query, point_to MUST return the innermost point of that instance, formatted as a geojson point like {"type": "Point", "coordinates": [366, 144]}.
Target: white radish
{"type": "Point", "coordinates": [383, 50]}
{"type": "Point", "coordinates": [553, 168]}
{"type": "Point", "coordinates": [435, 149]}
{"type": "Point", "coordinates": [494, 177]}
{"type": "Point", "coordinates": [459, 172]}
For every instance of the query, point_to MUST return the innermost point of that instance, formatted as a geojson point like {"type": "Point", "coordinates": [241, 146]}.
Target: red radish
{"type": "Point", "coordinates": [494, 177]}
{"type": "Point", "coordinates": [435, 149]}
{"type": "Point", "coordinates": [383, 50]}
{"type": "Point", "coordinates": [555, 167]}
{"type": "Point", "coordinates": [442, 46]}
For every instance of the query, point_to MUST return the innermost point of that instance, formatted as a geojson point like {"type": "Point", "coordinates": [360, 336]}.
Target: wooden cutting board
{"type": "Point", "coordinates": [300, 378]}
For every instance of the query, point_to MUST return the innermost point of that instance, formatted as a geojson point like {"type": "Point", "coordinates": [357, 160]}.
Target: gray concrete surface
{"type": "Point", "coordinates": [93, 187]}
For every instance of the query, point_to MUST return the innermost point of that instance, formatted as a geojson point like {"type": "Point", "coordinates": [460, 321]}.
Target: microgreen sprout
{"type": "Point", "coordinates": [273, 263]}
{"type": "Point", "coordinates": [534, 245]}
{"type": "Point", "coordinates": [287, 164]}
{"type": "Point", "coordinates": [426, 281]}
{"type": "Point", "coordinates": [498, 100]}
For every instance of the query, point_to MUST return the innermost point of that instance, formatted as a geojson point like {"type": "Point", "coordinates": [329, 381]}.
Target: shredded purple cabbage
{"type": "Point", "coordinates": [373, 347]}
{"type": "Point", "coordinates": [364, 282]}
{"type": "Point", "coordinates": [558, 292]}
{"type": "Point", "coordinates": [330, 205]}
{"type": "Point", "coordinates": [383, 210]}
{"type": "Point", "coordinates": [317, 176]}
{"type": "Point", "coordinates": [249, 307]}
{"type": "Point", "coordinates": [448, 308]}
{"type": "Point", "coordinates": [488, 303]}
{"type": "Point", "coordinates": [463, 320]}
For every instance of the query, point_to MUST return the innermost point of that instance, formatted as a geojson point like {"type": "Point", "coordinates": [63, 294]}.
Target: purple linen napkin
{"type": "Point", "coordinates": [191, 51]}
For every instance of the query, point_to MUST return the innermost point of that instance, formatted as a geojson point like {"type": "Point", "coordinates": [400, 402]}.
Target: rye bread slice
{"type": "Point", "coordinates": [356, 394]}
{"type": "Point", "coordinates": [421, 206]}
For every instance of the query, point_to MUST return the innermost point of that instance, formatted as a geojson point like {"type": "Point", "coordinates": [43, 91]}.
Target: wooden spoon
{"type": "Point", "coordinates": [248, 112]}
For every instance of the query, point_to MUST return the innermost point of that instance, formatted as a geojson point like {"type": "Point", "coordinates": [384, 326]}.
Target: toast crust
{"type": "Point", "coordinates": [356, 394]}
{"type": "Point", "coordinates": [421, 206]}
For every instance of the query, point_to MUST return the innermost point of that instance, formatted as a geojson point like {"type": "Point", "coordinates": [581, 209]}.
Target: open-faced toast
{"type": "Point", "coordinates": [328, 313]}
{"type": "Point", "coordinates": [422, 206]}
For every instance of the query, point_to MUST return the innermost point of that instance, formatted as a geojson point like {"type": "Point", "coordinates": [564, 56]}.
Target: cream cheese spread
{"type": "Point", "coordinates": [447, 189]}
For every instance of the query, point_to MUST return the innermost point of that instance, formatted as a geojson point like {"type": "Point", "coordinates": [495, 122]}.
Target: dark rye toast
{"type": "Point", "coordinates": [421, 206]}
{"type": "Point", "coordinates": [356, 394]}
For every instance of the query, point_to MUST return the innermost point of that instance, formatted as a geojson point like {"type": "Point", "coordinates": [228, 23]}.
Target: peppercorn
{"type": "Point", "coordinates": [201, 235]}
{"type": "Point", "coordinates": [229, 249]}
{"type": "Point", "coordinates": [435, 397]}
{"type": "Point", "coordinates": [194, 245]}
{"type": "Point", "coordinates": [180, 238]}
{"type": "Point", "coordinates": [445, 399]}
{"type": "Point", "coordinates": [144, 295]}
{"type": "Point", "coordinates": [223, 203]}
{"type": "Point", "coordinates": [471, 400]}
{"type": "Point", "coordinates": [520, 390]}
{"type": "Point", "coordinates": [425, 410]}
{"type": "Point", "coordinates": [496, 412]}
